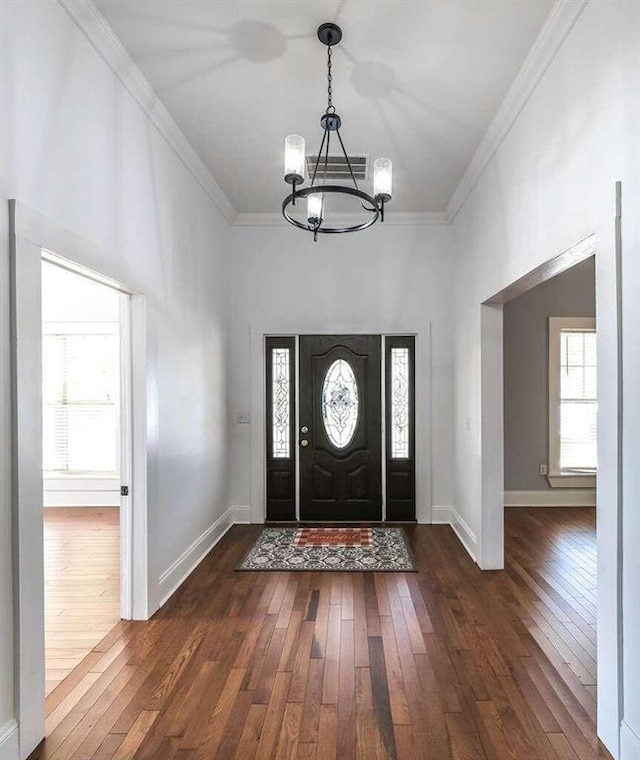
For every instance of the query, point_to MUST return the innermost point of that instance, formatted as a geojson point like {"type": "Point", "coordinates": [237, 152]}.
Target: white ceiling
{"type": "Point", "coordinates": [417, 81]}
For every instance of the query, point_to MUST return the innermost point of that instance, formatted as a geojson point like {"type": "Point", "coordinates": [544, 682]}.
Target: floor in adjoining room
{"type": "Point", "coordinates": [447, 663]}
{"type": "Point", "coordinates": [552, 551]}
{"type": "Point", "coordinates": [82, 584]}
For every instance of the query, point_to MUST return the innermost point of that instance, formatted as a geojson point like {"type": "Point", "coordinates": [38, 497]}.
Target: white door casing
{"type": "Point", "coordinates": [422, 331]}
{"type": "Point", "coordinates": [33, 237]}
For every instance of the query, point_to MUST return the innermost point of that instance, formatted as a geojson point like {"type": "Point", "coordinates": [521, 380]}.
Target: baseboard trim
{"type": "Point", "coordinates": [81, 492]}
{"type": "Point", "coordinates": [175, 575]}
{"type": "Point", "coordinates": [447, 515]}
{"type": "Point", "coordinates": [566, 497]}
{"type": "Point", "coordinates": [242, 515]}
{"type": "Point", "coordinates": [9, 749]}
{"type": "Point", "coordinates": [629, 743]}
{"type": "Point", "coordinates": [81, 499]}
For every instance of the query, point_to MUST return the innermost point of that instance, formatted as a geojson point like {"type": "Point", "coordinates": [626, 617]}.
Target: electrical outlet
{"type": "Point", "coordinates": [543, 469]}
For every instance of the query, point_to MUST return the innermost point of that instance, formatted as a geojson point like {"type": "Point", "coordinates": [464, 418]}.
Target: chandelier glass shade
{"type": "Point", "coordinates": [294, 159]}
{"type": "Point", "coordinates": [372, 205]}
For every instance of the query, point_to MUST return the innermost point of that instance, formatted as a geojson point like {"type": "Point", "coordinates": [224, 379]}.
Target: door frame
{"type": "Point", "coordinates": [606, 247]}
{"type": "Point", "coordinates": [490, 547]}
{"type": "Point", "coordinates": [32, 238]}
{"type": "Point", "coordinates": [125, 421]}
{"type": "Point", "coordinates": [421, 329]}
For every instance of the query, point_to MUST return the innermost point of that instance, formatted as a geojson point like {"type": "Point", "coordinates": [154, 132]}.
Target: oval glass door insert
{"type": "Point", "coordinates": [340, 403]}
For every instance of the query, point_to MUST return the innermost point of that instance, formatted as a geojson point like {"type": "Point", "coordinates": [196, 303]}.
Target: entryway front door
{"type": "Point", "coordinates": [339, 432]}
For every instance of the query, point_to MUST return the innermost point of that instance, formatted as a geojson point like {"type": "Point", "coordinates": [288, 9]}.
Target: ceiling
{"type": "Point", "coordinates": [417, 81]}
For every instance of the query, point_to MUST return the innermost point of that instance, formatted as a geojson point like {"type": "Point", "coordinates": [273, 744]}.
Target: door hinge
{"type": "Point", "coordinates": [124, 490]}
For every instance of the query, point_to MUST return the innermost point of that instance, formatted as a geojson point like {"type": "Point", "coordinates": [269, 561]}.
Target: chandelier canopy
{"type": "Point", "coordinates": [295, 161]}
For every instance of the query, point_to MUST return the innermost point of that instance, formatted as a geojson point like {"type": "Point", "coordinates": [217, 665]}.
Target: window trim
{"type": "Point", "coordinates": [556, 478]}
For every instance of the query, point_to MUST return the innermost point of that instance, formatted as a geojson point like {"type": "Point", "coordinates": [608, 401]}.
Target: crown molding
{"type": "Point", "coordinates": [404, 218]}
{"type": "Point", "coordinates": [555, 30]}
{"type": "Point", "coordinates": [94, 26]}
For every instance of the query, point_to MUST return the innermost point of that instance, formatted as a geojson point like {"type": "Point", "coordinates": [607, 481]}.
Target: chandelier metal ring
{"type": "Point", "coordinates": [340, 189]}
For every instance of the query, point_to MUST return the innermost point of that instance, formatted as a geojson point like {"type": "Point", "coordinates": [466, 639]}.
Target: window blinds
{"type": "Point", "coordinates": [81, 399]}
{"type": "Point", "coordinates": [578, 401]}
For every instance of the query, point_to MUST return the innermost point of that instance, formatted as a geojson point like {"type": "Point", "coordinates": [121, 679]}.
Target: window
{"type": "Point", "coordinates": [400, 426]}
{"type": "Point", "coordinates": [573, 404]}
{"type": "Point", "coordinates": [400, 407]}
{"type": "Point", "coordinates": [340, 403]}
{"type": "Point", "coordinates": [81, 398]}
{"type": "Point", "coordinates": [280, 354]}
{"type": "Point", "coordinates": [281, 402]}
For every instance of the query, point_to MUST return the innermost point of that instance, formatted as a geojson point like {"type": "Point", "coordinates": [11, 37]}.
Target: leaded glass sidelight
{"type": "Point", "coordinates": [400, 426]}
{"type": "Point", "coordinates": [400, 403]}
{"type": "Point", "coordinates": [340, 403]}
{"type": "Point", "coordinates": [280, 376]}
{"type": "Point", "coordinates": [281, 402]}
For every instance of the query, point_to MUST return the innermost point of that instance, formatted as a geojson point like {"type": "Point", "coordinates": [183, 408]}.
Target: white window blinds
{"type": "Point", "coordinates": [81, 398]}
{"type": "Point", "coordinates": [578, 401]}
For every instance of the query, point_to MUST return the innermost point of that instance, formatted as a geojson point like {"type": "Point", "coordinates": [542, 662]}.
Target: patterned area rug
{"type": "Point", "coordinates": [335, 549]}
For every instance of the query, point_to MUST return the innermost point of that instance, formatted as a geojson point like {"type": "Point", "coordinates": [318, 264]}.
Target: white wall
{"type": "Point", "coordinates": [389, 278]}
{"type": "Point", "coordinates": [77, 148]}
{"type": "Point", "coordinates": [550, 184]}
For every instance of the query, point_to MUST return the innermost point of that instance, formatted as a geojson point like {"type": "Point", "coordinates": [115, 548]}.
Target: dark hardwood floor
{"type": "Point", "coordinates": [450, 663]}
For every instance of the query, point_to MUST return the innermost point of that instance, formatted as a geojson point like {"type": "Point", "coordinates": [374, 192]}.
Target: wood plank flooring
{"type": "Point", "coordinates": [82, 584]}
{"type": "Point", "coordinates": [449, 663]}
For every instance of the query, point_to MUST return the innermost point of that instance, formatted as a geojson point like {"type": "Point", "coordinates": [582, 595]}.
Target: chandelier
{"type": "Point", "coordinates": [295, 159]}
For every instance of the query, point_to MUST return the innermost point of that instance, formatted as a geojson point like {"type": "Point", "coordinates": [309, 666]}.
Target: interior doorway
{"type": "Point", "coordinates": [550, 465]}
{"type": "Point", "coordinates": [604, 563]}
{"type": "Point", "coordinates": [491, 539]}
{"type": "Point", "coordinates": [550, 392]}
{"type": "Point", "coordinates": [83, 370]}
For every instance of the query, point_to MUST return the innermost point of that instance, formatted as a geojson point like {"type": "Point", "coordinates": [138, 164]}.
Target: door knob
{"type": "Point", "coordinates": [304, 442]}
{"type": "Point", "coordinates": [304, 429]}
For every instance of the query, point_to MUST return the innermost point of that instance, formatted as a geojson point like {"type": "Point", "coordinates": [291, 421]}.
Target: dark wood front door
{"type": "Point", "coordinates": [339, 434]}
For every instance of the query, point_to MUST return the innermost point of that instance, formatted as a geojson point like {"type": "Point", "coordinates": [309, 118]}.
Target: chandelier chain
{"type": "Point", "coordinates": [330, 106]}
